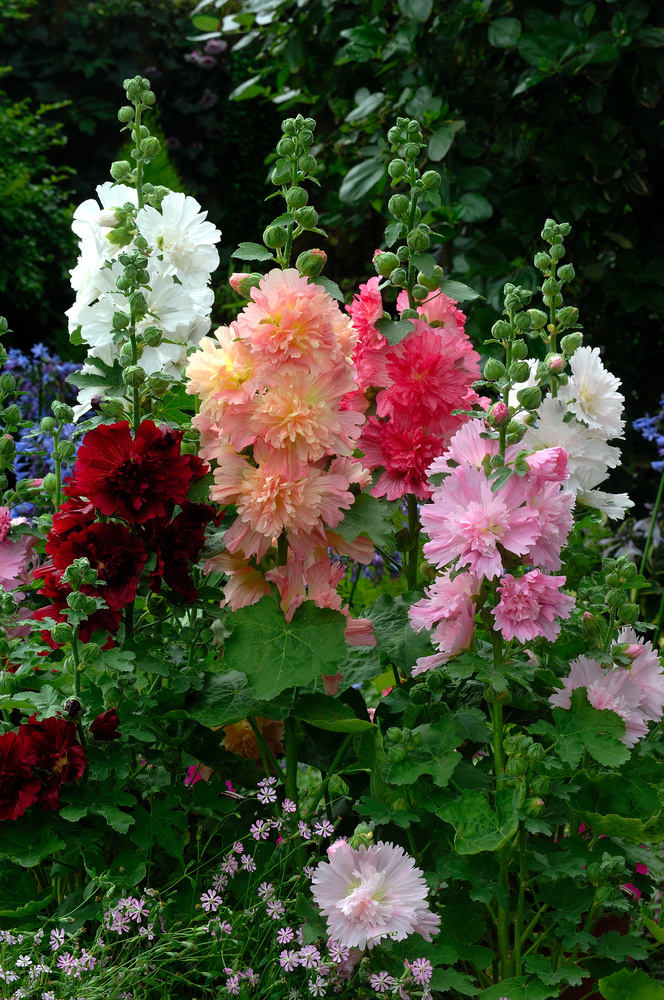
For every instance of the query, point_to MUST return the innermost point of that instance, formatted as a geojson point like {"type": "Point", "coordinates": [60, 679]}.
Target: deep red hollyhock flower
{"type": "Point", "coordinates": [59, 756]}
{"type": "Point", "coordinates": [176, 544]}
{"type": "Point", "coordinates": [18, 788]}
{"type": "Point", "coordinates": [56, 591]}
{"type": "Point", "coordinates": [138, 478]}
{"type": "Point", "coordinates": [105, 726]}
{"type": "Point", "coordinates": [110, 548]}
{"type": "Point", "coordinates": [75, 513]}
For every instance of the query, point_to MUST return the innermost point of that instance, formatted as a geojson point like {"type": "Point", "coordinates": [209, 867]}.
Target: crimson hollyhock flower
{"type": "Point", "coordinates": [18, 788]}
{"type": "Point", "coordinates": [105, 726]}
{"type": "Point", "coordinates": [138, 478]}
{"type": "Point", "coordinates": [58, 756]}
{"type": "Point", "coordinates": [75, 513]}
{"type": "Point", "coordinates": [56, 591]}
{"type": "Point", "coordinates": [177, 543]}
{"type": "Point", "coordinates": [110, 548]}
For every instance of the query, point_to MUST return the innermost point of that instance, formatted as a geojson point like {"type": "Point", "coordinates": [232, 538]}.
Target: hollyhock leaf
{"type": "Point", "coordinates": [361, 178]}
{"type": "Point", "coordinates": [199, 491]}
{"type": "Point", "coordinates": [29, 839]}
{"type": "Point", "coordinates": [419, 10]}
{"type": "Point", "coordinates": [252, 251]}
{"type": "Point", "coordinates": [654, 928]}
{"type": "Point", "coordinates": [328, 713]}
{"type": "Point", "coordinates": [370, 516]}
{"type": "Point", "coordinates": [448, 980]}
{"type": "Point", "coordinates": [620, 947]}
{"type": "Point", "coordinates": [329, 286]}
{"type": "Point", "coordinates": [583, 727]}
{"type": "Point", "coordinates": [630, 809]}
{"type": "Point", "coordinates": [435, 755]}
{"type": "Point", "coordinates": [519, 988]}
{"type": "Point", "coordinates": [440, 143]}
{"type": "Point", "coordinates": [474, 725]}
{"type": "Point", "coordinates": [227, 698]}
{"type": "Point", "coordinates": [395, 332]}
{"type": "Point", "coordinates": [127, 867]}
{"type": "Point", "coordinates": [362, 663]}
{"type": "Point", "coordinates": [276, 654]}
{"type": "Point", "coordinates": [161, 825]}
{"type": "Point", "coordinates": [425, 263]}
{"type": "Point", "coordinates": [99, 800]}
{"type": "Point", "coordinates": [394, 636]}
{"type": "Point", "coordinates": [627, 985]}
{"type": "Point", "coordinates": [459, 292]}
{"type": "Point", "coordinates": [478, 827]}
{"type": "Point", "coordinates": [395, 231]}
{"type": "Point", "coordinates": [504, 33]}
{"type": "Point", "coordinates": [540, 966]}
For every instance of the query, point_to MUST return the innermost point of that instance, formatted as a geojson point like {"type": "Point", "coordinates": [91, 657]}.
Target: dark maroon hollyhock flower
{"type": "Point", "coordinates": [18, 788]}
{"type": "Point", "coordinates": [75, 513]}
{"type": "Point", "coordinates": [56, 592]}
{"type": "Point", "coordinates": [111, 549]}
{"type": "Point", "coordinates": [177, 543]}
{"type": "Point", "coordinates": [138, 478]}
{"type": "Point", "coordinates": [105, 726]}
{"type": "Point", "coordinates": [59, 756]}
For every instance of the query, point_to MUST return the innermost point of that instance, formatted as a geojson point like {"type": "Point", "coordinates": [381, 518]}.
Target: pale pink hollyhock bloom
{"type": "Point", "coordinates": [451, 636]}
{"type": "Point", "coordinates": [372, 893]}
{"type": "Point", "coordinates": [221, 372]}
{"type": "Point", "coordinates": [646, 673]}
{"type": "Point", "coordinates": [15, 558]}
{"type": "Point", "coordinates": [467, 521]}
{"type": "Point", "coordinates": [405, 455]}
{"type": "Point", "coordinates": [530, 605]}
{"type": "Point", "coordinates": [369, 354]}
{"type": "Point", "coordinates": [606, 689]}
{"type": "Point", "coordinates": [549, 464]}
{"type": "Point", "coordinates": [331, 684]}
{"type": "Point", "coordinates": [290, 323]}
{"type": "Point", "coordinates": [470, 444]}
{"type": "Point", "coordinates": [5, 522]}
{"type": "Point", "coordinates": [553, 506]}
{"type": "Point", "coordinates": [358, 631]}
{"type": "Point", "coordinates": [448, 605]}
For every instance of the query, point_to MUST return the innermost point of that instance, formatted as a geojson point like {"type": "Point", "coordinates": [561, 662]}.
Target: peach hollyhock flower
{"type": "Point", "coordinates": [246, 584]}
{"type": "Point", "coordinates": [372, 893]}
{"type": "Point", "coordinates": [221, 373]}
{"type": "Point", "coordinates": [467, 521]}
{"type": "Point", "coordinates": [291, 324]}
{"type": "Point", "coordinates": [240, 738]}
{"type": "Point", "coordinates": [530, 605]}
{"type": "Point", "coordinates": [612, 689]}
{"type": "Point", "coordinates": [302, 414]}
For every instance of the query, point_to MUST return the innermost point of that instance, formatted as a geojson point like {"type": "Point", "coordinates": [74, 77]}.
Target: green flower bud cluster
{"type": "Point", "coordinates": [621, 577]}
{"type": "Point", "coordinates": [80, 573]}
{"type": "Point", "coordinates": [612, 868]}
{"type": "Point", "coordinates": [400, 742]}
{"type": "Point", "coordinates": [523, 753]}
{"type": "Point", "coordinates": [122, 233]}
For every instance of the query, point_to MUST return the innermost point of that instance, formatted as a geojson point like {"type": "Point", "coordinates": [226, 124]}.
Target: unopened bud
{"type": "Point", "coordinates": [418, 240]}
{"type": "Point", "coordinates": [498, 414]}
{"type": "Point", "coordinates": [519, 350]}
{"type": "Point", "coordinates": [538, 319]}
{"type": "Point", "coordinates": [556, 363]}
{"type": "Point", "coordinates": [519, 371]}
{"type": "Point", "coordinates": [150, 147]}
{"type": "Point", "coordinates": [62, 411]}
{"type": "Point", "coordinates": [120, 170]}
{"type": "Point", "coordinates": [493, 370]}
{"type": "Point", "coordinates": [629, 613]}
{"type": "Point", "coordinates": [570, 342]}
{"type": "Point", "coordinates": [243, 283]}
{"type": "Point", "coordinates": [566, 272]}
{"type": "Point", "coordinates": [11, 414]}
{"type": "Point", "coordinates": [7, 382]}
{"type": "Point", "coordinates": [398, 276]}
{"type": "Point", "coordinates": [385, 263]}
{"type": "Point", "coordinates": [153, 336]}
{"type": "Point", "coordinates": [398, 205]}
{"type": "Point", "coordinates": [296, 197]}
{"type": "Point", "coordinates": [274, 237]}
{"type": "Point", "coordinates": [311, 262]}
{"type": "Point", "coordinates": [431, 179]}
{"type": "Point", "coordinates": [49, 484]}
{"type": "Point", "coordinates": [134, 375]}
{"type": "Point", "coordinates": [126, 114]}
{"type": "Point", "coordinates": [542, 261]}
{"type": "Point", "coordinates": [73, 708]}
{"type": "Point", "coordinates": [61, 633]}
{"type": "Point", "coordinates": [530, 397]}
{"type": "Point", "coordinates": [501, 330]}
{"type": "Point", "coordinates": [306, 217]}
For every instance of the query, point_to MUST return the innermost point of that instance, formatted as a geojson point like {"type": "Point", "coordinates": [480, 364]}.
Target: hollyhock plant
{"type": "Point", "coordinates": [372, 893]}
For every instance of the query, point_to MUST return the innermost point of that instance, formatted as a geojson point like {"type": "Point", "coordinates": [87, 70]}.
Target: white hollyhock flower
{"type": "Point", "coordinates": [592, 393]}
{"type": "Point", "coordinates": [614, 505]}
{"type": "Point", "coordinates": [86, 216]}
{"type": "Point", "coordinates": [180, 233]}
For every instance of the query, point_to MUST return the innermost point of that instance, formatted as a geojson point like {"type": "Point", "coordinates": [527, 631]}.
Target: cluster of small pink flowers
{"type": "Point", "coordinates": [272, 419]}
{"type": "Point", "coordinates": [636, 693]}
{"type": "Point", "coordinates": [420, 382]}
{"type": "Point", "coordinates": [119, 917]}
{"type": "Point", "coordinates": [472, 527]}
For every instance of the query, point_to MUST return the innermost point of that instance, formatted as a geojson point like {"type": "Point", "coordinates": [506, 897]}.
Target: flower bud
{"type": "Point", "coordinates": [288, 126]}
{"type": "Point", "coordinates": [519, 371]}
{"type": "Point", "coordinates": [64, 451]}
{"type": "Point", "coordinates": [307, 163]}
{"type": "Point", "coordinates": [557, 251]}
{"type": "Point", "coordinates": [296, 197]}
{"type": "Point", "coordinates": [62, 412]}
{"type": "Point", "coordinates": [541, 785]}
{"type": "Point", "coordinates": [571, 342]}
{"type": "Point", "coordinates": [49, 484]}
{"type": "Point", "coordinates": [431, 179]}
{"type": "Point", "coordinates": [394, 135]}
{"type": "Point", "coordinates": [538, 319]}
{"type": "Point", "coordinates": [568, 316]}
{"type": "Point", "coordinates": [80, 602]}
{"type": "Point", "coordinates": [519, 350]}
{"type": "Point", "coordinates": [61, 633]}
{"type": "Point", "coordinates": [403, 253]}
{"type": "Point", "coordinates": [306, 137]}
{"type": "Point", "coordinates": [7, 382]}
{"type": "Point", "coordinates": [530, 397]}
{"type": "Point", "coordinates": [138, 304]}
{"type": "Point", "coordinates": [542, 261]}
{"type": "Point", "coordinates": [411, 150]}
{"type": "Point", "coordinates": [399, 205]}
{"type": "Point", "coordinates": [286, 146]}
{"type": "Point", "coordinates": [120, 320]}
{"type": "Point", "coordinates": [420, 695]}
{"type": "Point", "coordinates": [418, 240]}
{"type": "Point", "coordinates": [516, 430]}
{"type": "Point", "coordinates": [126, 355]}
{"type": "Point", "coordinates": [274, 237]}
{"type": "Point", "coordinates": [434, 282]}
{"type": "Point", "coordinates": [399, 276]}
{"type": "Point", "coordinates": [148, 97]}
{"type": "Point", "coordinates": [550, 287]}
{"type": "Point", "coordinates": [420, 292]}
{"type": "Point", "coordinates": [501, 330]}
{"type": "Point", "coordinates": [243, 283]}
{"type": "Point", "coordinates": [498, 414]}
{"type": "Point", "coordinates": [134, 375]}
{"type": "Point", "coordinates": [629, 613]}
{"type": "Point", "coordinates": [306, 217]}
{"type": "Point", "coordinates": [592, 625]}
{"type": "Point", "coordinates": [385, 263]}
{"type": "Point", "coordinates": [153, 336]}
{"type": "Point", "coordinates": [397, 169]}
{"type": "Point", "coordinates": [11, 414]}
{"type": "Point", "coordinates": [516, 766]}
{"type": "Point", "coordinates": [566, 272]}
{"type": "Point", "coordinates": [493, 370]}
{"type": "Point", "coordinates": [533, 806]}
{"type": "Point", "coordinates": [126, 114]}
{"type": "Point", "coordinates": [150, 146]}
{"type": "Point", "coordinates": [556, 363]}
{"type": "Point", "coordinates": [311, 262]}
{"type": "Point", "coordinates": [72, 708]}
{"type": "Point", "coordinates": [105, 726]}
{"type": "Point", "coordinates": [120, 170]}
{"type": "Point", "coordinates": [282, 173]}
{"type": "Point", "coordinates": [397, 753]}
{"type": "Point", "coordinates": [394, 735]}
{"type": "Point", "coordinates": [536, 752]}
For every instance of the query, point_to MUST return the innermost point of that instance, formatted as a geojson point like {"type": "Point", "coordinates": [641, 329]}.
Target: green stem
{"type": "Point", "coordinates": [412, 556]}
{"type": "Point", "coordinates": [282, 548]}
{"type": "Point", "coordinates": [609, 631]}
{"type": "Point", "coordinates": [77, 673]}
{"type": "Point", "coordinates": [533, 923]}
{"type": "Point", "coordinates": [136, 416]}
{"type": "Point", "coordinates": [139, 162]}
{"type": "Point", "coordinates": [264, 750]}
{"type": "Point", "coordinates": [56, 459]}
{"type": "Point", "coordinates": [504, 920]}
{"type": "Point", "coordinates": [655, 640]}
{"type": "Point", "coordinates": [523, 876]}
{"type": "Point", "coordinates": [330, 774]}
{"type": "Point", "coordinates": [291, 762]}
{"type": "Point", "coordinates": [411, 223]}
{"type": "Point", "coordinates": [653, 519]}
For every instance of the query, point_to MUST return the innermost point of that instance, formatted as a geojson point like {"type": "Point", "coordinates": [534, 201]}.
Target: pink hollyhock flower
{"type": "Point", "coordinates": [291, 324]}
{"type": "Point", "coordinates": [369, 354]}
{"type": "Point", "coordinates": [405, 455]}
{"type": "Point", "coordinates": [246, 584]}
{"type": "Point", "coordinates": [358, 631]}
{"type": "Point", "coordinates": [439, 311]}
{"type": "Point", "coordinates": [372, 893]}
{"type": "Point", "coordinates": [549, 464]}
{"type": "Point", "coordinates": [606, 689]}
{"type": "Point", "coordinates": [5, 523]}
{"type": "Point", "coordinates": [646, 673]}
{"type": "Point", "coordinates": [553, 505]}
{"type": "Point", "coordinates": [470, 445]}
{"type": "Point", "coordinates": [448, 606]}
{"type": "Point", "coordinates": [529, 606]}
{"type": "Point", "coordinates": [452, 635]}
{"type": "Point", "coordinates": [331, 684]}
{"type": "Point", "coordinates": [15, 557]}
{"type": "Point", "coordinates": [221, 372]}
{"type": "Point", "coordinates": [467, 521]}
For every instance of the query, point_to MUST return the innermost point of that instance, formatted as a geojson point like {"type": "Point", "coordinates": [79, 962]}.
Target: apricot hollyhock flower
{"type": "Point", "coordinates": [372, 893]}
{"type": "Point", "coordinates": [240, 738]}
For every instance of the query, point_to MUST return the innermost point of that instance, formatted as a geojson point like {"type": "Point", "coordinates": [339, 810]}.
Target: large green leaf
{"type": "Point", "coordinates": [419, 10]}
{"type": "Point", "coordinates": [276, 654]}
{"type": "Point", "coordinates": [459, 292]}
{"type": "Point", "coordinates": [504, 33]}
{"type": "Point", "coordinates": [99, 800]}
{"type": "Point", "coordinates": [227, 698]}
{"type": "Point", "coordinates": [631, 985]}
{"type": "Point", "coordinates": [630, 808]}
{"type": "Point", "coordinates": [451, 981]}
{"type": "Point", "coordinates": [583, 727]}
{"type": "Point", "coordinates": [475, 207]}
{"type": "Point", "coordinates": [440, 143]}
{"type": "Point", "coordinates": [160, 825]}
{"type": "Point", "coordinates": [252, 251]}
{"type": "Point", "coordinates": [478, 827]}
{"type": "Point", "coordinates": [394, 635]}
{"type": "Point", "coordinates": [325, 712]}
{"type": "Point", "coordinates": [519, 988]}
{"type": "Point", "coordinates": [29, 839]}
{"type": "Point", "coordinates": [435, 755]}
{"type": "Point", "coordinates": [370, 516]}
{"type": "Point", "coordinates": [361, 178]}
{"type": "Point", "coordinates": [394, 330]}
